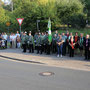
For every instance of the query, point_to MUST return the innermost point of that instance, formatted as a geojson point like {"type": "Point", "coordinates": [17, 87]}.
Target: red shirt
{"type": "Point", "coordinates": [76, 39]}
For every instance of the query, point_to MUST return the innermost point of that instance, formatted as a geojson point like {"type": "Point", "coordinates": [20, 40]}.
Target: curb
{"type": "Point", "coordinates": [15, 59]}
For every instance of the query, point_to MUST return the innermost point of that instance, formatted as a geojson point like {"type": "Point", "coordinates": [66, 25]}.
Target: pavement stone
{"type": "Point", "coordinates": [76, 62]}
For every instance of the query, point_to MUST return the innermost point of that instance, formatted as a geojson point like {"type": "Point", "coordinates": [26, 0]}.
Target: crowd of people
{"type": "Point", "coordinates": [62, 44]}
{"type": "Point", "coordinates": [13, 39]}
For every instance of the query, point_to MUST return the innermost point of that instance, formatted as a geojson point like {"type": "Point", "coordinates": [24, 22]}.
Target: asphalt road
{"type": "Point", "coordinates": [24, 76]}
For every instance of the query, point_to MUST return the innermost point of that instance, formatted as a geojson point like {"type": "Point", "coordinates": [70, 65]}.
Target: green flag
{"type": "Point", "coordinates": [49, 31]}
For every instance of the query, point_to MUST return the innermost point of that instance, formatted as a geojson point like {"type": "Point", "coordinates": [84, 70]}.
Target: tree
{"type": "Point", "coordinates": [59, 11]}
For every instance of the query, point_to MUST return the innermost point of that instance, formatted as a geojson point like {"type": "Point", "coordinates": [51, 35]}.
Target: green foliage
{"type": "Point", "coordinates": [73, 30]}
{"type": "Point", "coordinates": [60, 12]}
{"type": "Point", "coordinates": [3, 19]}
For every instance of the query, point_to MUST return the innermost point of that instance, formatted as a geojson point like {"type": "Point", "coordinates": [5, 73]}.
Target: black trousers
{"type": "Point", "coordinates": [71, 52]}
{"type": "Point", "coordinates": [44, 48]}
{"type": "Point", "coordinates": [67, 47]}
{"type": "Point", "coordinates": [64, 49]}
{"type": "Point", "coordinates": [6, 43]}
{"type": "Point", "coordinates": [24, 46]}
{"type": "Point", "coordinates": [39, 49]}
{"type": "Point", "coordinates": [42, 45]}
{"type": "Point", "coordinates": [54, 48]}
{"type": "Point", "coordinates": [87, 53]}
{"type": "Point", "coordinates": [48, 49]}
{"type": "Point", "coordinates": [11, 44]}
{"type": "Point", "coordinates": [31, 48]}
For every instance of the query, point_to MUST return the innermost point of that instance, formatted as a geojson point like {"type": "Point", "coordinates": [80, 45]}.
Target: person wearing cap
{"type": "Point", "coordinates": [42, 42]}
{"type": "Point", "coordinates": [38, 44]}
{"type": "Point", "coordinates": [87, 47]}
{"type": "Point", "coordinates": [24, 40]}
{"type": "Point", "coordinates": [30, 43]}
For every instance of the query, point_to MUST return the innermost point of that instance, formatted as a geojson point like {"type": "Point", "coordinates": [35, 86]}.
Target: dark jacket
{"type": "Point", "coordinates": [88, 43]}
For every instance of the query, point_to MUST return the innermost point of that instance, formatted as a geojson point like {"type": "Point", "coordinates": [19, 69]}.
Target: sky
{"type": "Point", "coordinates": [6, 1]}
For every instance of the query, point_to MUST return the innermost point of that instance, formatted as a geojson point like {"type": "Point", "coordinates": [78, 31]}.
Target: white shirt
{"type": "Point", "coordinates": [10, 37]}
{"type": "Point", "coordinates": [17, 34]}
{"type": "Point", "coordinates": [5, 37]}
{"type": "Point", "coordinates": [13, 37]}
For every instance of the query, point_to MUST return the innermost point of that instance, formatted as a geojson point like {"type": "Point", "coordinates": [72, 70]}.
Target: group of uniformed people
{"type": "Point", "coordinates": [61, 43]}
{"type": "Point", "coordinates": [39, 42]}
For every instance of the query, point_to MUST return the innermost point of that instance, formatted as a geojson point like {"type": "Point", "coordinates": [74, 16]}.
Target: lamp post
{"type": "Point", "coordinates": [12, 6]}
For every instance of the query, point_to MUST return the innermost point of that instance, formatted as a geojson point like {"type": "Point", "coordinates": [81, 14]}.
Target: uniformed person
{"type": "Point", "coordinates": [54, 45]}
{"type": "Point", "coordinates": [42, 42]}
{"type": "Point", "coordinates": [30, 43]}
{"type": "Point", "coordinates": [35, 37]}
{"type": "Point", "coordinates": [48, 44]}
{"type": "Point", "coordinates": [24, 40]}
{"type": "Point", "coordinates": [38, 44]}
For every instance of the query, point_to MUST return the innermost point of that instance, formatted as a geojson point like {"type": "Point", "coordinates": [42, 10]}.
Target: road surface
{"type": "Point", "coordinates": [25, 76]}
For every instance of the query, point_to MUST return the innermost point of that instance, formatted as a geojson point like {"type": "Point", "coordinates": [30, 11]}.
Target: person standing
{"type": "Point", "coordinates": [81, 43]}
{"type": "Point", "coordinates": [17, 34]}
{"type": "Point", "coordinates": [72, 46]}
{"type": "Point", "coordinates": [87, 47]}
{"type": "Point", "coordinates": [24, 40]}
{"type": "Point", "coordinates": [5, 36]}
{"type": "Point", "coordinates": [35, 38]}
{"type": "Point", "coordinates": [30, 43]}
{"type": "Point", "coordinates": [70, 36]}
{"type": "Point", "coordinates": [42, 42]}
{"type": "Point", "coordinates": [54, 45]}
{"type": "Point", "coordinates": [0, 40]}
{"type": "Point", "coordinates": [38, 44]}
{"type": "Point", "coordinates": [48, 44]}
{"type": "Point", "coordinates": [67, 41]}
{"type": "Point", "coordinates": [18, 41]}
{"type": "Point", "coordinates": [76, 38]}
{"type": "Point", "coordinates": [64, 43]}
{"type": "Point", "coordinates": [60, 45]}
{"type": "Point", "coordinates": [13, 41]}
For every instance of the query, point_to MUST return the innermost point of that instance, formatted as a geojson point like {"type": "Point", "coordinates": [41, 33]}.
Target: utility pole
{"type": "Point", "coordinates": [11, 5]}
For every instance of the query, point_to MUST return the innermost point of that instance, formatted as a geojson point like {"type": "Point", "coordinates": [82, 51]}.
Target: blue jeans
{"type": "Point", "coordinates": [59, 48]}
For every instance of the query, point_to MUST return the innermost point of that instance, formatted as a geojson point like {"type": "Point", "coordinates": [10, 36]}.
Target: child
{"type": "Point", "coordinates": [18, 41]}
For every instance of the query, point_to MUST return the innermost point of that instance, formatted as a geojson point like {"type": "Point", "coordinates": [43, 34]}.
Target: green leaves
{"type": "Point", "coordinates": [60, 12]}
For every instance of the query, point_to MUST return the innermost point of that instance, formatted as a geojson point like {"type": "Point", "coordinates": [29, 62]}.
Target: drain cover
{"type": "Point", "coordinates": [46, 73]}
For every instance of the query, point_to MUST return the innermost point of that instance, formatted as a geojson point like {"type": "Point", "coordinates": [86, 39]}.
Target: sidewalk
{"type": "Point", "coordinates": [77, 62]}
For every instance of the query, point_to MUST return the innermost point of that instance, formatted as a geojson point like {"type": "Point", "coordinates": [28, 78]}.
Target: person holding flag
{"type": "Point", "coordinates": [49, 37]}
{"type": "Point", "coordinates": [49, 31]}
